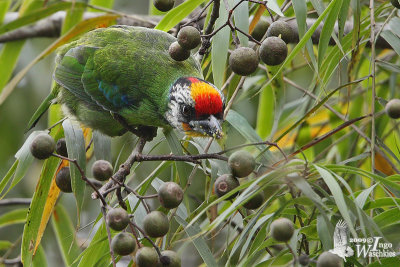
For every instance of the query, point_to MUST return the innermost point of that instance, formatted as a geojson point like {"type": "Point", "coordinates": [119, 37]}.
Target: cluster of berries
{"type": "Point", "coordinates": [188, 38]}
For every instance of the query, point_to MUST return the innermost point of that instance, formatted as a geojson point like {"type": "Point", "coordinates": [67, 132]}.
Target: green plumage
{"type": "Point", "coordinates": [119, 70]}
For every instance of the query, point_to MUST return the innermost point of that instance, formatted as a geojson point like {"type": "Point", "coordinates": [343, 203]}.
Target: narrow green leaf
{"type": "Point", "coordinates": [388, 66]}
{"type": "Point", "coordinates": [176, 149]}
{"type": "Point", "coordinates": [7, 177]}
{"type": "Point", "coordinates": [241, 16]}
{"type": "Point", "coordinates": [13, 217]}
{"type": "Point", "coordinates": [265, 113]}
{"type": "Point", "coordinates": [4, 5]}
{"type": "Point", "coordinates": [39, 260]}
{"type": "Point", "coordinates": [392, 39]}
{"type": "Point", "coordinates": [76, 150]}
{"type": "Point", "coordinates": [198, 242]}
{"type": "Point", "coordinates": [65, 235]}
{"type": "Point", "coordinates": [362, 198]}
{"type": "Point", "coordinates": [219, 48]}
{"type": "Point", "coordinates": [102, 146]}
{"type": "Point", "coordinates": [174, 16]}
{"type": "Point", "coordinates": [102, 3]}
{"type": "Point", "coordinates": [388, 217]}
{"type": "Point", "coordinates": [5, 245]}
{"type": "Point", "coordinates": [273, 5]}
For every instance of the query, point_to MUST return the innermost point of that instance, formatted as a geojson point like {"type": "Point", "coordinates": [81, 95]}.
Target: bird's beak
{"type": "Point", "coordinates": [211, 127]}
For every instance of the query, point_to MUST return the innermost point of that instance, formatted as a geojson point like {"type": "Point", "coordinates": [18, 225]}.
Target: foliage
{"type": "Point", "coordinates": [325, 149]}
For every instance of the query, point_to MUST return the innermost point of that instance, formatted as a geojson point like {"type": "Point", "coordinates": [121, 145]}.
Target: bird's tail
{"type": "Point", "coordinates": [43, 107]}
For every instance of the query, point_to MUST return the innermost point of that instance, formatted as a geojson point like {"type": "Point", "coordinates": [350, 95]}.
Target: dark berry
{"type": "Point", "coordinates": [178, 53]}
{"type": "Point", "coordinates": [61, 147]}
{"type": "Point", "coordinates": [242, 163]}
{"type": "Point", "coordinates": [395, 3]}
{"type": "Point", "coordinates": [243, 61]}
{"type": "Point", "coordinates": [393, 108]}
{"type": "Point", "coordinates": [102, 170]}
{"type": "Point", "coordinates": [273, 51]}
{"type": "Point", "coordinates": [282, 229]}
{"type": "Point", "coordinates": [260, 29]}
{"type": "Point", "coordinates": [156, 224]}
{"type": "Point", "coordinates": [189, 37]}
{"type": "Point", "coordinates": [281, 29]}
{"type": "Point", "coordinates": [147, 257]}
{"type": "Point", "coordinates": [170, 195]}
{"type": "Point", "coordinates": [164, 5]}
{"type": "Point", "coordinates": [170, 258]}
{"type": "Point", "coordinates": [224, 184]}
{"type": "Point", "coordinates": [327, 259]}
{"type": "Point", "coordinates": [123, 244]}
{"type": "Point", "coordinates": [42, 146]}
{"type": "Point", "coordinates": [304, 260]}
{"type": "Point", "coordinates": [63, 180]}
{"type": "Point", "coordinates": [255, 202]}
{"type": "Point", "coordinates": [117, 219]}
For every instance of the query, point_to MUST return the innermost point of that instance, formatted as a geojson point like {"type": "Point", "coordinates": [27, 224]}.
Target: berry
{"type": "Point", "coordinates": [42, 146]}
{"type": "Point", "coordinates": [282, 29]}
{"type": "Point", "coordinates": [164, 5]}
{"type": "Point", "coordinates": [273, 51]}
{"type": "Point", "coordinates": [147, 257]}
{"type": "Point", "coordinates": [156, 224]}
{"type": "Point", "coordinates": [304, 260]}
{"type": "Point", "coordinates": [102, 170]}
{"type": "Point", "coordinates": [393, 108]}
{"type": "Point", "coordinates": [123, 244]}
{"type": "Point", "coordinates": [242, 163]}
{"type": "Point", "coordinates": [170, 258]}
{"type": "Point", "coordinates": [61, 147]}
{"type": "Point", "coordinates": [63, 180]}
{"type": "Point", "coordinates": [170, 195]}
{"type": "Point", "coordinates": [282, 229]}
{"type": "Point", "coordinates": [224, 184]}
{"type": "Point", "coordinates": [117, 219]}
{"type": "Point", "coordinates": [255, 202]}
{"type": "Point", "coordinates": [243, 61]}
{"type": "Point", "coordinates": [327, 259]}
{"type": "Point", "coordinates": [395, 3]}
{"type": "Point", "coordinates": [189, 37]}
{"type": "Point", "coordinates": [260, 29]}
{"type": "Point", "coordinates": [177, 53]}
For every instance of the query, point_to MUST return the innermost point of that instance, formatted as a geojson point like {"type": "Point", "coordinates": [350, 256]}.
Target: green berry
{"type": "Point", "coordinates": [243, 61]}
{"type": "Point", "coordinates": [224, 184]}
{"type": "Point", "coordinates": [327, 259]}
{"type": "Point", "coordinates": [117, 219]}
{"type": "Point", "coordinates": [178, 53]}
{"type": "Point", "coordinates": [282, 229]}
{"type": "Point", "coordinates": [255, 202]}
{"type": "Point", "coordinates": [189, 37]}
{"type": "Point", "coordinates": [164, 5]}
{"type": "Point", "coordinates": [170, 195]}
{"type": "Point", "coordinates": [282, 29]}
{"type": "Point", "coordinates": [102, 170]}
{"type": "Point", "coordinates": [63, 180]}
{"type": "Point", "coordinates": [260, 29]}
{"type": "Point", "coordinates": [61, 147]}
{"type": "Point", "coordinates": [395, 3]}
{"type": "Point", "coordinates": [273, 51]}
{"type": "Point", "coordinates": [123, 244]}
{"type": "Point", "coordinates": [42, 146]}
{"type": "Point", "coordinates": [393, 108]}
{"type": "Point", "coordinates": [156, 224]}
{"type": "Point", "coordinates": [242, 163]}
{"type": "Point", "coordinates": [147, 257]}
{"type": "Point", "coordinates": [170, 258]}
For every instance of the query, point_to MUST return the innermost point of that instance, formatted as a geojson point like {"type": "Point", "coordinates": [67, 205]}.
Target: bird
{"type": "Point", "coordinates": [340, 246]}
{"type": "Point", "coordinates": [122, 78]}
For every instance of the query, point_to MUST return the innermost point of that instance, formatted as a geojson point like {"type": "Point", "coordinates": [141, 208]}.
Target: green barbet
{"type": "Point", "coordinates": [122, 78]}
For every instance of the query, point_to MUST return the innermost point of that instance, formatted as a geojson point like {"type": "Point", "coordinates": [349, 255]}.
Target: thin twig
{"type": "Point", "coordinates": [15, 201]}
{"type": "Point", "coordinates": [103, 210]}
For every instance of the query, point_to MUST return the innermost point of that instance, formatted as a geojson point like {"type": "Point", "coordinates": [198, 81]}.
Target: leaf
{"type": "Point", "coordinates": [7, 177]}
{"type": "Point", "coordinates": [198, 242]}
{"type": "Point", "coordinates": [76, 151]}
{"type": "Point", "coordinates": [80, 28]}
{"type": "Point", "coordinates": [388, 217]}
{"type": "Point", "coordinates": [5, 245]}
{"type": "Point", "coordinates": [38, 15]}
{"type": "Point", "coordinates": [241, 16]}
{"type": "Point", "coordinates": [219, 48]}
{"type": "Point", "coordinates": [174, 16]}
{"type": "Point", "coordinates": [13, 217]}
{"type": "Point", "coordinates": [4, 5]}
{"type": "Point", "coordinates": [102, 146]}
{"type": "Point", "coordinates": [65, 235]}
{"type": "Point", "coordinates": [392, 39]}
{"type": "Point", "coordinates": [39, 260]}
{"type": "Point", "coordinates": [176, 149]}
{"type": "Point", "coordinates": [362, 198]}
{"type": "Point", "coordinates": [273, 5]}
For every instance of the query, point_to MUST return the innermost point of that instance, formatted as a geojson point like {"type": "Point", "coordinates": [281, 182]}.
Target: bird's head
{"type": "Point", "coordinates": [195, 107]}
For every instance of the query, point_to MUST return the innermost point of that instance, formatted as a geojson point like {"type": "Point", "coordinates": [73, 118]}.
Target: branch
{"type": "Point", "coordinates": [15, 201]}
{"type": "Point", "coordinates": [51, 27]}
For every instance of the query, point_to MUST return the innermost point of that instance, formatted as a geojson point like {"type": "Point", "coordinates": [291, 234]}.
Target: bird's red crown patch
{"type": "Point", "coordinates": [207, 99]}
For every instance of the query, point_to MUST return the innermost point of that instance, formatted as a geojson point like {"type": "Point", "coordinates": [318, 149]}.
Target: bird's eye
{"type": "Point", "coordinates": [186, 110]}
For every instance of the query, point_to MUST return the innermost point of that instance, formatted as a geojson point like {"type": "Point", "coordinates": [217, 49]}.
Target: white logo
{"type": "Point", "coordinates": [340, 246]}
